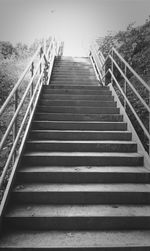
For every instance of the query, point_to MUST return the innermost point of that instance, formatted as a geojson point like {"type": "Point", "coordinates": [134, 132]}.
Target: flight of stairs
{"type": "Point", "coordinates": [81, 184]}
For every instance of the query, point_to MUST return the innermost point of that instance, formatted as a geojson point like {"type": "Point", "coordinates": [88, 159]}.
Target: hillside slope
{"type": "Point", "coordinates": [134, 46]}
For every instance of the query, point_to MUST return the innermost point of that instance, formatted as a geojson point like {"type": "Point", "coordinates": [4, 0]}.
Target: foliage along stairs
{"type": "Point", "coordinates": [81, 184]}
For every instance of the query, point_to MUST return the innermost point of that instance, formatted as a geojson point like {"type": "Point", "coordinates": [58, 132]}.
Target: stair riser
{"type": "Point", "coordinates": [74, 73]}
{"type": "Point", "coordinates": [74, 87]}
{"type": "Point", "coordinates": [49, 125]}
{"type": "Point", "coordinates": [66, 66]}
{"type": "Point", "coordinates": [79, 135]}
{"type": "Point", "coordinates": [77, 110]}
{"type": "Point", "coordinates": [71, 198]}
{"type": "Point", "coordinates": [77, 103]}
{"type": "Point", "coordinates": [70, 75]}
{"type": "Point", "coordinates": [76, 92]}
{"type": "Point", "coordinates": [81, 147]}
{"type": "Point", "coordinates": [77, 97]}
{"type": "Point", "coordinates": [81, 178]}
{"type": "Point", "coordinates": [70, 248]}
{"type": "Point", "coordinates": [78, 117]}
{"type": "Point", "coordinates": [78, 223]}
{"type": "Point", "coordinates": [81, 69]}
{"type": "Point", "coordinates": [75, 82]}
{"type": "Point", "coordinates": [77, 77]}
{"type": "Point", "coordinates": [82, 160]}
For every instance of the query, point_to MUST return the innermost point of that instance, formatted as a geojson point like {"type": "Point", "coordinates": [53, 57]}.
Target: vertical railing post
{"type": "Point", "coordinates": [112, 68]}
{"type": "Point", "coordinates": [15, 123]}
{"type": "Point", "coordinates": [149, 127]}
{"type": "Point", "coordinates": [41, 52]}
{"type": "Point", "coordinates": [125, 87]}
{"type": "Point", "coordinates": [31, 89]}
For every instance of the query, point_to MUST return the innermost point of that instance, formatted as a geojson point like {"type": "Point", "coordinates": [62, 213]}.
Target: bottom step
{"type": "Point", "coordinates": [76, 240]}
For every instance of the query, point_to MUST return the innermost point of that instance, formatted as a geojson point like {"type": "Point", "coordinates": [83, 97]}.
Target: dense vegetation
{"type": "Point", "coordinates": [13, 61]}
{"type": "Point", "coordinates": [134, 45]}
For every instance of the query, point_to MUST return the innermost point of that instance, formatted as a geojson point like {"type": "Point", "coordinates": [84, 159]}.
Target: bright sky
{"type": "Point", "coordinates": [76, 22]}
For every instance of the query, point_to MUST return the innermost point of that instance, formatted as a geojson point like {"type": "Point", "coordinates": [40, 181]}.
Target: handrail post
{"type": "Point", "coordinates": [104, 72]}
{"type": "Point", "coordinates": [112, 68]}
{"type": "Point", "coordinates": [125, 87]}
{"type": "Point", "coordinates": [41, 52]}
{"type": "Point", "coordinates": [31, 89]}
{"type": "Point", "coordinates": [14, 133]}
{"type": "Point", "coordinates": [149, 128]}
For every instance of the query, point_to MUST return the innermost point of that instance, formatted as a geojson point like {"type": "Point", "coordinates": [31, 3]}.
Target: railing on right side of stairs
{"type": "Point", "coordinates": [18, 109]}
{"type": "Point", "coordinates": [131, 92]}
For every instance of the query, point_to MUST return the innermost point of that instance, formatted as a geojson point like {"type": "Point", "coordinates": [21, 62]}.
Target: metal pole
{"type": "Point", "coordinates": [149, 126]}
{"type": "Point", "coordinates": [125, 87]}
{"type": "Point", "coordinates": [31, 90]}
{"type": "Point", "coordinates": [112, 69]}
{"type": "Point", "coordinates": [15, 123]}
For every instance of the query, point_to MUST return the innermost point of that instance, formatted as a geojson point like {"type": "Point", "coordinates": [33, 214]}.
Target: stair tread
{"type": "Point", "coordinates": [81, 122]}
{"type": "Point", "coordinates": [75, 239]}
{"type": "Point", "coordinates": [92, 87]}
{"type": "Point", "coordinates": [117, 187]}
{"type": "Point", "coordinates": [40, 210]}
{"type": "Point", "coordinates": [84, 169]}
{"type": "Point", "coordinates": [90, 154]}
{"type": "Point", "coordinates": [76, 131]}
{"type": "Point", "coordinates": [82, 141]}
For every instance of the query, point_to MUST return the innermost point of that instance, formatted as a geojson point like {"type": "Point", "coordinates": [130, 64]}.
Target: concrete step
{"type": "Point", "coordinates": [21, 240]}
{"type": "Point", "coordinates": [76, 91]}
{"type": "Point", "coordinates": [83, 174]}
{"type": "Point", "coordinates": [43, 116]}
{"type": "Point", "coordinates": [72, 71]}
{"type": "Point", "coordinates": [78, 217]}
{"type": "Point", "coordinates": [47, 193]}
{"type": "Point", "coordinates": [77, 87]}
{"type": "Point", "coordinates": [74, 74]}
{"type": "Point", "coordinates": [79, 135]}
{"type": "Point", "coordinates": [77, 109]}
{"type": "Point", "coordinates": [82, 159]}
{"type": "Point", "coordinates": [70, 103]}
{"type": "Point", "coordinates": [77, 97]}
{"type": "Point", "coordinates": [71, 68]}
{"type": "Point", "coordinates": [77, 78]}
{"type": "Point", "coordinates": [81, 146]}
{"type": "Point", "coordinates": [75, 82]}
{"type": "Point", "coordinates": [79, 125]}
{"type": "Point", "coordinates": [73, 65]}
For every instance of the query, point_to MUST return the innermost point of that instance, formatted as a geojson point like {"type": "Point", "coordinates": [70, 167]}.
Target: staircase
{"type": "Point", "coordinates": [81, 184]}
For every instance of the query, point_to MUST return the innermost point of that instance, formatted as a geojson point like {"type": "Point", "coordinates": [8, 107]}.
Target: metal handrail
{"type": "Point", "coordinates": [42, 71]}
{"type": "Point", "coordinates": [110, 70]}
{"type": "Point", "coordinates": [2, 109]}
{"type": "Point", "coordinates": [132, 70]}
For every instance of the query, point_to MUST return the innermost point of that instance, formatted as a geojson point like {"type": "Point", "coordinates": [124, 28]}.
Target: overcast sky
{"type": "Point", "coordinates": [76, 22]}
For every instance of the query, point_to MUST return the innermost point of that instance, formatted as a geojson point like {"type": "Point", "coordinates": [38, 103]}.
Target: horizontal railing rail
{"type": "Point", "coordinates": [129, 86]}
{"type": "Point", "coordinates": [21, 103]}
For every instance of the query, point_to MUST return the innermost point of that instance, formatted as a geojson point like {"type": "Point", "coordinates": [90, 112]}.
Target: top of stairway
{"type": "Point", "coordinates": [82, 60]}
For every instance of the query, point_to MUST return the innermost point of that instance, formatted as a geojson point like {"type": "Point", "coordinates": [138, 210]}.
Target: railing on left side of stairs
{"type": "Point", "coordinates": [130, 90]}
{"type": "Point", "coordinates": [21, 104]}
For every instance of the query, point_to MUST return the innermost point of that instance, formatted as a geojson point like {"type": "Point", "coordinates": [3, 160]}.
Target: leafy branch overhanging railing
{"type": "Point", "coordinates": [132, 90]}
{"type": "Point", "coordinates": [22, 103]}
